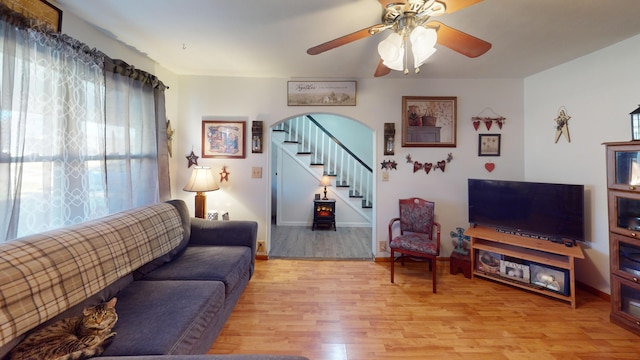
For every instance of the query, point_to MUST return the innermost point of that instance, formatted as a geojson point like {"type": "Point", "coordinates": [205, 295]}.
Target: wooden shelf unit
{"type": "Point", "coordinates": [530, 249]}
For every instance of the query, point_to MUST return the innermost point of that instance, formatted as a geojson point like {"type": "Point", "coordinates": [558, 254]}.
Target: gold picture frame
{"type": "Point", "coordinates": [429, 121]}
{"type": "Point", "coordinates": [223, 139]}
{"type": "Point", "coordinates": [40, 11]}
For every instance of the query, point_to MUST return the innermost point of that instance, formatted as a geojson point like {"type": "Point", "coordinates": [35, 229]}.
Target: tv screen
{"type": "Point", "coordinates": [549, 211]}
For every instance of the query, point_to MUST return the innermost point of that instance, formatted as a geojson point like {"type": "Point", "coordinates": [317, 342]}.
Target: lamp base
{"type": "Point", "coordinates": [325, 194]}
{"type": "Point", "coordinates": [201, 200]}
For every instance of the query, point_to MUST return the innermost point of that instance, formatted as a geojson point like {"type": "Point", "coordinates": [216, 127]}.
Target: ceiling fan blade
{"type": "Point", "coordinates": [343, 40]}
{"type": "Point", "coordinates": [455, 5]}
{"type": "Point", "coordinates": [385, 3]}
{"type": "Point", "coordinates": [459, 41]}
{"type": "Point", "coordinates": [382, 70]}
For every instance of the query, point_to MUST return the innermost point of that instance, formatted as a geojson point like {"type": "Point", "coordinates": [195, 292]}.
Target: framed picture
{"type": "Point", "coordinates": [488, 262]}
{"type": "Point", "coordinates": [551, 278]}
{"type": "Point", "coordinates": [429, 121]}
{"type": "Point", "coordinates": [223, 139]}
{"type": "Point", "coordinates": [39, 11]}
{"type": "Point", "coordinates": [489, 145]}
{"type": "Point", "coordinates": [515, 270]}
{"type": "Point", "coordinates": [326, 93]}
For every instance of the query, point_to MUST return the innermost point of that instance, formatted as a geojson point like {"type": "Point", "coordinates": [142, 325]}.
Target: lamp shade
{"type": "Point", "coordinates": [423, 41]}
{"type": "Point", "coordinates": [201, 180]}
{"type": "Point", "coordinates": [391, 51]}
{"type": "Point", "coordinates": [325, 181]}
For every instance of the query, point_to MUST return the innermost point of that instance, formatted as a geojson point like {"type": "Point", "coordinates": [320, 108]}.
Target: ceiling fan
{"type": "Point", "coordinates": [410, 25]}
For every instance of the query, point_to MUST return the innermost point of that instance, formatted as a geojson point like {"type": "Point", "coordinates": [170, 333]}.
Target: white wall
{"type": "Point", "coordinates": [379, 101]}
{"type": "Point", "coordinates": [598, 91]}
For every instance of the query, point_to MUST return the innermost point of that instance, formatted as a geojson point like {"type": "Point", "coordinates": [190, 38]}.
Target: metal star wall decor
{"type": "Point", "coordinates": [224, 174]}
{"type": "Point", "coordinates": [389, 165]}
{"type": "Point", "coordinates": [193, 159]}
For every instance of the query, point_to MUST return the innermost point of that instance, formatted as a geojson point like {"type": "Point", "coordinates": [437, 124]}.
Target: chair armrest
{"type": "Point", "coordinates": [391, 228]}
{"type": "Point", "coordinates": [436, 226]}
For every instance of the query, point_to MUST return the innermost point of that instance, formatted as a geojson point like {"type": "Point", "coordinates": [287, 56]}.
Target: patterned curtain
{"type": "Point", "coordinates": [74, 144]}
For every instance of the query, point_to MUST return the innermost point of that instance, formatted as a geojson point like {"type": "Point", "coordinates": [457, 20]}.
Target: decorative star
{"type": "Point", "coordinates": [409, 159]}
{"type": "Point", "coordinates": [224, 175]}
{"type": "Point", "coordinates": [193, 159]}
{"type": "Point", "coordinates": [562, 126]}
{"type": "Point", "coordinates": [383, 164]}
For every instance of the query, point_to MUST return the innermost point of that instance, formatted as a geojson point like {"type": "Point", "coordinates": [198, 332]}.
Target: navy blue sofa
{"type": "Point", "coordinates": [176, 278]}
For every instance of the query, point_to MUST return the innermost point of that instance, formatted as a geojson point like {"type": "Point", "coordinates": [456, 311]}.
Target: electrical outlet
{"type": "Point", "coordinates": [261, 249]}
{"type": "Point", "coordinates": [382, 246]}
{"type": "Point", "coordinates": [256, 172]}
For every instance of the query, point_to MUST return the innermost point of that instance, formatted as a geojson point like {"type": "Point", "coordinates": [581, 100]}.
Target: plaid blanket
{"type": "Point", "coordinates": [43, 275]}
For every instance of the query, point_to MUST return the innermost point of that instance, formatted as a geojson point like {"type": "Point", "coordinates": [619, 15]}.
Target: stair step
{"type": "Point", "coordinates": [291, 142]}
{"type": "Point", "coordinates": [304, 152]}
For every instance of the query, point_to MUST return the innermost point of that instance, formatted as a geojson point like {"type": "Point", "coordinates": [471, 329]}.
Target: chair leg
{"type": "Point", "coordinates": [392, 262]}
{"type": "Point", "coordinates": [433, 274]}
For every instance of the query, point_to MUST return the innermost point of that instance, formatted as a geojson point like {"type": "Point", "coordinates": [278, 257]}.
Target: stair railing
{"type": "Point", "coordinates": [325, 149]}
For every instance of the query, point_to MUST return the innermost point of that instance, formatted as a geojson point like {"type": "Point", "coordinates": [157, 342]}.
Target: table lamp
{"type": "Point", "coordinates": [325, 181]}
{"type": "Point", "coordinates": [201, 180]}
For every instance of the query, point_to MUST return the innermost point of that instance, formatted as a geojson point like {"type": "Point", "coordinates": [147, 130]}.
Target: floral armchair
{"type": "Point", "coordinates": [419, 235]}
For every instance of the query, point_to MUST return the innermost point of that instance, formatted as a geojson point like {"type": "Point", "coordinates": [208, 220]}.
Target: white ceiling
{"type": "Point", "coordinates": [269, 38]}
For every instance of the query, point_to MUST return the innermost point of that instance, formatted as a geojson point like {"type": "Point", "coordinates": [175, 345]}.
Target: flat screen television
{"type": "Point", "coordinates": [542, 210]}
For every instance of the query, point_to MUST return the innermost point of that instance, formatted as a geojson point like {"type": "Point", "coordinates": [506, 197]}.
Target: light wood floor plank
{"type": "Point", "coordinates": [348, 310]}
{"type": "Point", "coordinates": [300, 242]}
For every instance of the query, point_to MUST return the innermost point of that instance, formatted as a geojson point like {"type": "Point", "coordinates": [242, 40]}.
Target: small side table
{"type": "Point", "coordinates": [460, 263]}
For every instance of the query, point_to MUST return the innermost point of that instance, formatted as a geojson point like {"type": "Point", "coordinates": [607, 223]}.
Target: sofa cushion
{"type": "Point", "coordinates": [179, 310]}
{"type": "Point", "coordinates": [228, 264]}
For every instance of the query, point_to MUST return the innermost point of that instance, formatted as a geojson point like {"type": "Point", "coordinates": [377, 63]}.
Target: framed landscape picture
{"type": "Point", "coordinates": [223, 139]}
{"type": "Point", "coordinates": [325, 93]}
{"type": "Point", "coordinates": [429, 121]}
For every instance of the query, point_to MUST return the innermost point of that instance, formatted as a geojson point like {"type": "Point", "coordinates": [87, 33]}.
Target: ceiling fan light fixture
{"type": "Point", "coordinates": [423, 41]}
{"type": "Point", "coordinates": [391, 51]}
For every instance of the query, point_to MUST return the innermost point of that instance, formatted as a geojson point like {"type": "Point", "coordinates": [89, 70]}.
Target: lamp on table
{"type": "Point", "coordinates": [201, 181]}
{"type": "Point", "coordinates": [325, 181]}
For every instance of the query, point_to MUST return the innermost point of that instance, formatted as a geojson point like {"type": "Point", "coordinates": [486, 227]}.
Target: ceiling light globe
{"type": "Point", "coordinates": [391, 51]}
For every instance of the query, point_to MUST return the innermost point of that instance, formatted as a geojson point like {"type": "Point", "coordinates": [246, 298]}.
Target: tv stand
{"type": "Point", "coordinates": [528, 249]}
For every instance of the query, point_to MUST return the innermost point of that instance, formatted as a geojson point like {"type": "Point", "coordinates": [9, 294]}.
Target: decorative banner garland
{"type": "Point", "coordinates": [428, 166]}
{"type": "Point", "coordinates": [487, 120]}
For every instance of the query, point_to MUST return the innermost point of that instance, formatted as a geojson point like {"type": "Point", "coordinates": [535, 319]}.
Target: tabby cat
{"type": "Point", "coordinates": [75, 338]}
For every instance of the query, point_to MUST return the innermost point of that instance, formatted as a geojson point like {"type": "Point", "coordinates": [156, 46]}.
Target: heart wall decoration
{"type": "Point", "coordinates": [490, 166]}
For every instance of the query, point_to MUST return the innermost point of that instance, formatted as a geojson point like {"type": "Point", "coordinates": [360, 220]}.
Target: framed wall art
{"type": "Point", "coordinates": [326, 93]}
{"type": "Point", "coordinates": [41, 12]}
{"type": "Point", "coordinates": [223, 139]}
{"type": "Point", "coordinates": [429, 121]}
{"type": "Point", "coordinates": [489, 145]}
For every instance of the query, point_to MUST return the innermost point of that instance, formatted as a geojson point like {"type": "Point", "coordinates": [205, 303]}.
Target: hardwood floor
{"type": "Point", "coordinates": [349, 310]}
{"type": "Point", "coordinates": [300, 242]}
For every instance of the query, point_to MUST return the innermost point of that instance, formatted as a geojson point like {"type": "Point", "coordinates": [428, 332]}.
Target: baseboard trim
{"type": "Point", "coordinates": [591, 290]}
{"type": "Point", "coordinates": [262, 257]}
{"type": "Point", "coordinates": [388, 259]}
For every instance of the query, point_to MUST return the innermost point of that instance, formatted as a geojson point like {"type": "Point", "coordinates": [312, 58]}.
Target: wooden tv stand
{"type": "Point", "coordinates": [529, 249]}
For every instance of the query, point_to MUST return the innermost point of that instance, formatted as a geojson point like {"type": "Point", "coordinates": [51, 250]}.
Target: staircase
{"type": "Point", "coordinates": [314, 147]}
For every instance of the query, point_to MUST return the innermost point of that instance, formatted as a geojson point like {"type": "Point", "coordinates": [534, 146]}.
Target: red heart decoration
{"type": "Point", "coordinates": [416, 166]}
{"type": "Point", "coordinates": [476, 124]}
{"type": "Point", "coordinates": [427, 167]}
{"type": "Point", "coordinates": [488, 123]}
{"type": "Point", "coordinates": [489, 166]}
{"type": "Point", "coordinates": [442, 164]}
{"type": "Point", "coordinates": [500, 124]}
